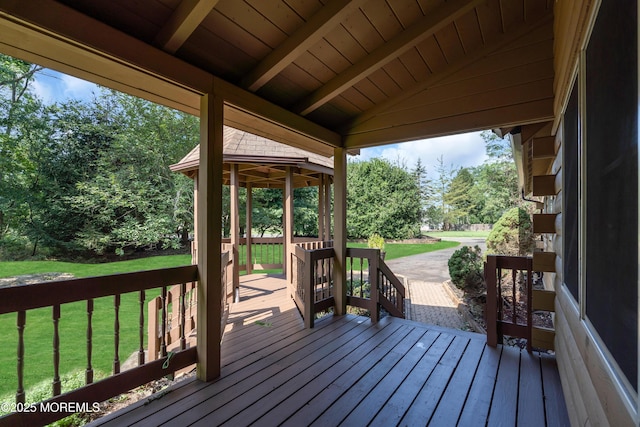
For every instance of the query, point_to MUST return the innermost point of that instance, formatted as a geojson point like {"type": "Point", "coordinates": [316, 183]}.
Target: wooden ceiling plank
{"type": "Point", "coordinates": [477, 85]}
{"type": "Point", "coordinates": [418, 32]}
{"type": "Point", "coordinates": [184, 20]}
{"type": "Point", "coordinates": [490, 99]}
{"type": "Point", "coordinates": [531, 112]}
{"type": "Point", "coordinates": [451, 69]}
{"type": "Point", "coordinates": [309, 34]}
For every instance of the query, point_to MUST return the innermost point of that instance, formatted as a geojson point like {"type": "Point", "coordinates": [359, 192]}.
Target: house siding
{"type": "Point", "coordinates": [596, 392]}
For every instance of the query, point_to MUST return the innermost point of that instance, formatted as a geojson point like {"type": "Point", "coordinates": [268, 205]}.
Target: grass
{"type": "Point", "coordinates": [484, 234]}
{"type": "Point", "coordinates": [38, 334]}
{"type": "Point", "coordinates": [399, 250]}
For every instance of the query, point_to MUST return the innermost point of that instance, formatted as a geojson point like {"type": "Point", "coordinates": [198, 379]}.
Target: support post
{"type": "Point", "coordinates": [209, 288]}
{"type": "Point", "coordinates": [249, 217]}
{"type": "Point", "coordinates": [491, 279]}
{"type": "Point", "coordinates": [235, 231]}
{"type": "Point", "coordinates": [374, 263]}
{"type": "Point", "coordinates": [288, 224]}
{"type": "Point", "coordinates": [340, 230]}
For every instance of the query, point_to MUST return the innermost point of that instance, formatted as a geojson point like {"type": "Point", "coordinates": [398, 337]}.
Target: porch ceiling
{"type": "Point", "coordinates": [314, 74]}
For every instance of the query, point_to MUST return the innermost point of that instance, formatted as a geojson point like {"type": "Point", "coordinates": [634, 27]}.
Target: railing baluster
{"type": "Point", "coordinates": [361, 276]}
{"type": "Point", "coordinates": [56, 350]}
{"type": "Point", "coordinates": [163, 324]}
{"type": "Point", "coordinates": [116, 335]}
{"type": "Point", "coordinates": [88, 376]}
{"type": "Point", "coordinates": [514, 318]}
{"type": "Point", "coordinates": [141, 329]}
{"type": "Point", "coordinates": [500, 300]}
{"type": "Point", "coordinates": [183, 292]}
{"type": "Point", "coordinates": [21, 322]}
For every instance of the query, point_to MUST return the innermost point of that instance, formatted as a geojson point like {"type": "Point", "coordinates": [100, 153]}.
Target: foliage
{"type": "Point", "coordinates": [512, 234]}
{"type": "Point", "coordinates": [376, 241]}
{"type": "Point", "coordinates": [398, 250]}
{"type": "Point", "coordinates": [89, 176]}
{"type": "Point", "coordinates": [459, 199]}
{"type": "Point", "coordinates": [466, 267]}
{"type": "Point", "coordinates": [383, 198]}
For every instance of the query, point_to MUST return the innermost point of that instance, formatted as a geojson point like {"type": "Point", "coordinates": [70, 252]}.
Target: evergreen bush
{"type": "Point", "coordinates": [512, 234]}
{"type": "Point", "coordinates": [466, 267]}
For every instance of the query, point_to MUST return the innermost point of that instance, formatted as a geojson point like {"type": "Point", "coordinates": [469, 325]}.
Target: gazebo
{"type": "Point", "coordinates": [253, 161]}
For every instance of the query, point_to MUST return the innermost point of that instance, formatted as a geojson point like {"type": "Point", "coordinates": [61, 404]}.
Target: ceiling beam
{"type": "Point", "coordinates": [302, 40]}
{"type": "Point", "coordinates": [184, 20]}
{"type": "Point", "coordinates": [59, 37]}
{"type": "Point", "coordinates": [416, 33]}
{"type": "Point", "coordinates": [502, 41]}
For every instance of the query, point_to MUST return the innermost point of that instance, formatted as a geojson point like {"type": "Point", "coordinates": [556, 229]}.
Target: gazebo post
{"type": "Point", "coordinates": [288, 222]}
{"type": "Point", "coordinates": [248, 228]}
{"type": "Point", "coordinates": [321, 212]}
{"type": "Point", "coordinates": [327, 207]}
{"type": "Point", "coordinates": [235, 230]}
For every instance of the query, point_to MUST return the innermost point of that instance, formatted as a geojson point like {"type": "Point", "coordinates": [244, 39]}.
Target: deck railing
{"type": "Point", "coordinates": [366, 271]}
{"type": "Point", "coordinates": [512, 302]}
{"type": "Point", "coordinates": [179, 304]}
{"type": "Point", "coordinates": [170, 320]}
{"type": "Point", "coordinates": [312, 282]}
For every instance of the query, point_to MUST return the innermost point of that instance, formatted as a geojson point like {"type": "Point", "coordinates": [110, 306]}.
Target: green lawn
{"type": "Point", "coordinates": [441, 234]}
{"type": "Point", "coordinates": [38, 335]}
{"type": "Point", "coordinates": [399, 250]}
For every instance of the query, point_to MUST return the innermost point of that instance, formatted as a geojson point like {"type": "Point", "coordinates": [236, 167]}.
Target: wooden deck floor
{"type": "Point", "coordinates": [347, 371]}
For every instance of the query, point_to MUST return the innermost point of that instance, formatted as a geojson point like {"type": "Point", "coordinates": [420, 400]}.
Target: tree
{"type": "Point", "coordinates": [496, 188]}
{"type": "Point", "coordinates": [459, 198]}
{"type": "Point", "coordinates": [512, 234]}
{"type": "Point", "coordinates": [382, 198]}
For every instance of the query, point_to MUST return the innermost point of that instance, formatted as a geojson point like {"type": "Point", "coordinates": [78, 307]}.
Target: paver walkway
{"type": "Point", "coordinates": [425, 273]}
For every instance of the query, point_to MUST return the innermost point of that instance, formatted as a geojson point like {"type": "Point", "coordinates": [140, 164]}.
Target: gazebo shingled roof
{"type": "Point", "coordinates": [262, 161]}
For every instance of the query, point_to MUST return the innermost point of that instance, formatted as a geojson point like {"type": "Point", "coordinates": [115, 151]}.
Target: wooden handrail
{"type": "Point", "coordinates": [47, 294]}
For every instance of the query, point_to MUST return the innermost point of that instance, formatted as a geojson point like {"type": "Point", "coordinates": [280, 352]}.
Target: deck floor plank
{"type": "Point", "coordinates": [504, 403]}
{"type": "Point", "coordinates": [305, 393]}
{"type": "Point", "coordinates": [555, 407]}
{"type": "Point", "coordinates": [357, 391]}
{"type": "Point", "coordinates": [478, 401]}
{"type": "Point", "coordinates": [334, 391]}
{"type": "Point", "coordinates": [348, 371]}
{"type": "Point", "coordinates": [530, 393]}
{"type": "Point", "coordinates": [422, 357]}
{"type": "Point", "coordinates": [452, 401]}
{"type": "Point", "coordinates": [433, 386]}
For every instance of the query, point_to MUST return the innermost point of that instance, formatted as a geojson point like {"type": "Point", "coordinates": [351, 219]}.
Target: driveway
{"type": "Point", "coordinates": [432, 266]}
{"type": "Point", "coordinates": [430, 302]}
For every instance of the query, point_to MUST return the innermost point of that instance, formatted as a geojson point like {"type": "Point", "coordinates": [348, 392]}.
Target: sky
{"type": "Point", "coordinates": [464, 150]}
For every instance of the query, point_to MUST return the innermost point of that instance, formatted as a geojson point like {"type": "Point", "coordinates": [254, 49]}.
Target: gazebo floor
{"type": "Point", "coordinates": [348, 371]}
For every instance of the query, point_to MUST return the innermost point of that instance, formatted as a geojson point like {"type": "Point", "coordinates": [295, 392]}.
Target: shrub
{"type": "Point", "coordinates": [376, 241]}
{"type": "Point", "coordinates": [466, 267]}
{"type": "Point", "coordinates": [512, 234]}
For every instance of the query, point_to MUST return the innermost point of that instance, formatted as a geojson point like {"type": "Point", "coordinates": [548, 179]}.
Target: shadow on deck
{"type": "Point", "coordinates": [348, 371]}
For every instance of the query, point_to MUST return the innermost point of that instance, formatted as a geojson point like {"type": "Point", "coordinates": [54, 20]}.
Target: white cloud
{"type": "Point", "coordinates": [76, 88]}
{"type": "Point", "coordinates": [464, 150]}
{"type": "Point", "coordinates": [52, 86]}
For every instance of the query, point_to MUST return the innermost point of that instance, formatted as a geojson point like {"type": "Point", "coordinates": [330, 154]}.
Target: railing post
{"type": "Point", "coordinates": [529, 303]}
{"type": "Point", "coordinates": [492, 301]}
{"type": "Point", "coordinates": [308, 281]}
{"type": "Point", "coordinates": [374, 263]}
